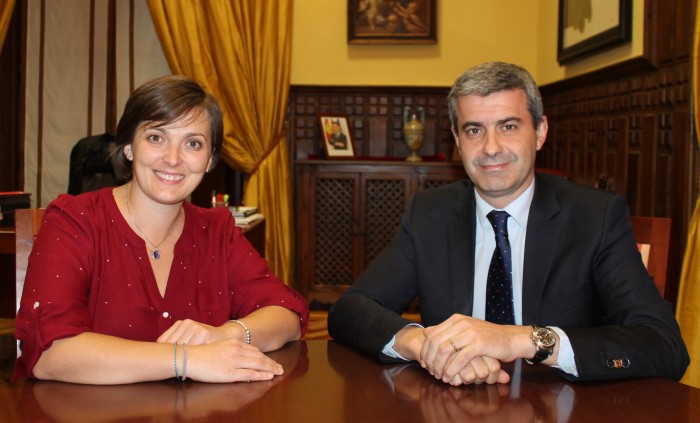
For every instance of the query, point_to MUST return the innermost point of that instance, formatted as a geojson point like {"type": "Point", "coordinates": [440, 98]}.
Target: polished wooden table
{"type": "Point", "coordinates": [325, 381]}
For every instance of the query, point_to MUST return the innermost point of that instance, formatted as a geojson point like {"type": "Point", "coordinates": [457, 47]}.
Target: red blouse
{"type": "Point", "coordinates": [90, 272]}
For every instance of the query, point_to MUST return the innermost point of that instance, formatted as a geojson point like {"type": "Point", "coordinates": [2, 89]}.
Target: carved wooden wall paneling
{"type": "Point", "coordinates": [637, 130]}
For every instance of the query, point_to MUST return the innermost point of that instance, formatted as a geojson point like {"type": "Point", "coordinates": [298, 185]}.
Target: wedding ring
{"type": "Point", "coordinates": [453, 344]}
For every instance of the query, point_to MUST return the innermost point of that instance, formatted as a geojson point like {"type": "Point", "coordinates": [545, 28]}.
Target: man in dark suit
{"type": "Point", "coordinates": [559, 282]}
{"type": "Point", "coordinates": [338, 140]}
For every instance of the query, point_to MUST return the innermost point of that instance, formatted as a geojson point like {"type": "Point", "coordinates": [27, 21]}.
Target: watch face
{"type": "Point", "coordinates": [545, 337]}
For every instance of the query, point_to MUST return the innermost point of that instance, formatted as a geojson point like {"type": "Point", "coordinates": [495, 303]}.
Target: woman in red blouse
{"type": "Point", "coordinates": [133, 283]}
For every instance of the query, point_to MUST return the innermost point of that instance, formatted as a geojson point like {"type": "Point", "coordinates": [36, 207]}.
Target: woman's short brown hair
{"type": "Point", "coordinates": [165, 100]}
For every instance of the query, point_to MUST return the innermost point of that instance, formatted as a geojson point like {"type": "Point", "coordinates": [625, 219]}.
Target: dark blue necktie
{"type": "Point", "coordinates": [499, 284]}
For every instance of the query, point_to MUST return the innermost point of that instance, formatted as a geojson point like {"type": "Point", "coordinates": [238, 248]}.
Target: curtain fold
{"type": "Point", "coordinates": [688, 305]}
{"type": "Point", "coordinates": [6, 8]}
{"type": "Point", "coordinates": [240, 51]}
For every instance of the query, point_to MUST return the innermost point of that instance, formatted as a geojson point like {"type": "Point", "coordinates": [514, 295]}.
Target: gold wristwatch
{"type": "Point", "coordinates": [544, 340]}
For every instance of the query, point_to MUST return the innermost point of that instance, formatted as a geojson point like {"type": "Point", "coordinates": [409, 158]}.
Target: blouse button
{"type": "Point", "coordinates": [166, 314]}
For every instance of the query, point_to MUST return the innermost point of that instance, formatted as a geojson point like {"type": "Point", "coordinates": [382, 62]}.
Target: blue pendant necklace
{"type": "Point", "coordinates": [156, 253]}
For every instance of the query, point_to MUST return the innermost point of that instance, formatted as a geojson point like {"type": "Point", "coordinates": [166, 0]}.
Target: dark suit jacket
{"type": "Point", "coordinates": [582, 272]}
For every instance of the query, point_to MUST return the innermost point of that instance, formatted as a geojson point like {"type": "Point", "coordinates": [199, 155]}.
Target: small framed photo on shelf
{"type": "Point", "coordinates": [337, 141]}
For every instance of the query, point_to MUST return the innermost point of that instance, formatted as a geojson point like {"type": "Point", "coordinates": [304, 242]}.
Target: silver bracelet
{"type": "Point", "coordinates": [175, 359]}
{"type": "Point", "coordinates": [184, 362]}
{"type": "Point", "coordinates": [247, 332]}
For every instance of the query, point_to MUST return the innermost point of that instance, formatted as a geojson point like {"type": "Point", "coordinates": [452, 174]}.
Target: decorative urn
{"type": "Point", "coordinates": [413, 129]}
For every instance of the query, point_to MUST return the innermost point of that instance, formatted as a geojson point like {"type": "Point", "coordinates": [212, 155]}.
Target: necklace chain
{"type": "Point", "coordinates": [156, 252]}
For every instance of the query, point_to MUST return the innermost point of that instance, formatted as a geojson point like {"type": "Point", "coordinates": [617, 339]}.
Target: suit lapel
{"type": "Point", "coordinates": [461, 228]}
{"type": "Point", "coordinates": [543, 233]}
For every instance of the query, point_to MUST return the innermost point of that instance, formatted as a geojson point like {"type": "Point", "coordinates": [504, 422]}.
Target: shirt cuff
{"type": "Point", "coordinates": [388, 349]}
{"type": "Point", "coordinates": [565, 361]}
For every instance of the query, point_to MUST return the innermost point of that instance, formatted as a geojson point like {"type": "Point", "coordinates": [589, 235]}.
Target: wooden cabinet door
{"type": "Point", "coordinates": [348, 212]}
{"type": "Point", "coordinates": [328, 227]}
{"type": "Point", "coordinates": [385, 197]}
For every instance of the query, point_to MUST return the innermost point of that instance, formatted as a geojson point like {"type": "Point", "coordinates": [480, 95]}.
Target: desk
{"type": "Point", "coordinates": [325, 381]}
{"type": "Point", "coordinates": [255, 233]}
{"type": "Point", "coordinates": [7, 240]}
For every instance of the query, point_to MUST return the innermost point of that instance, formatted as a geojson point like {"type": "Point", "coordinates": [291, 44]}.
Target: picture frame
{"type": "Point", "coordinates": [587, 27]}
{"type": "Point", "coordinates": [392, 21]}
{"type": "Point", "coordinates": [336, 135]}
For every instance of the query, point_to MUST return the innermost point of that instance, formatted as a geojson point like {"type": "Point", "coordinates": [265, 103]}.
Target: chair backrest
{"type": "Point", "coordinates": [27, 223]}
{"type": "Point", "coordinates": [653, 236]}
{"type": "Point", "coordinates": [552, 171]}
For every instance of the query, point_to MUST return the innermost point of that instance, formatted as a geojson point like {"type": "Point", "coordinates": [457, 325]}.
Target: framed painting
{"type": "Point", "coordinates": [589, 26]}
{"type": "Point", "coordinates": [392, 22]}
{"type": "Point", "coordinates": [337, 141]}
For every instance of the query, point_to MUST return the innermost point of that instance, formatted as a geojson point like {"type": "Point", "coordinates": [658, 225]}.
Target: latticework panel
{"type": "Point", "coordinates": [385, 204]}
{"type": "Point", "coordinates": [626, 128]}
{"type": "Point", "coordinates": [334, 212]}
{"type": "Point", "coordinates": [435, 183]}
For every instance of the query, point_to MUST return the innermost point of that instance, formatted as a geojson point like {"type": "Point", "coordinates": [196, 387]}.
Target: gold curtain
{"type": "Point", "coordinates": [6, 8]}
{"type": "Point", "coordinates": [240, 51]}
{"type": "Point", "coordinates": [688, 307]}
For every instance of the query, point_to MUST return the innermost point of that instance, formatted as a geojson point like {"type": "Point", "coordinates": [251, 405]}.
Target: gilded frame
{"type": "Point", "coordinates": [392, 21]}
{"type": "Point", "coordinates": [584, 31]}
